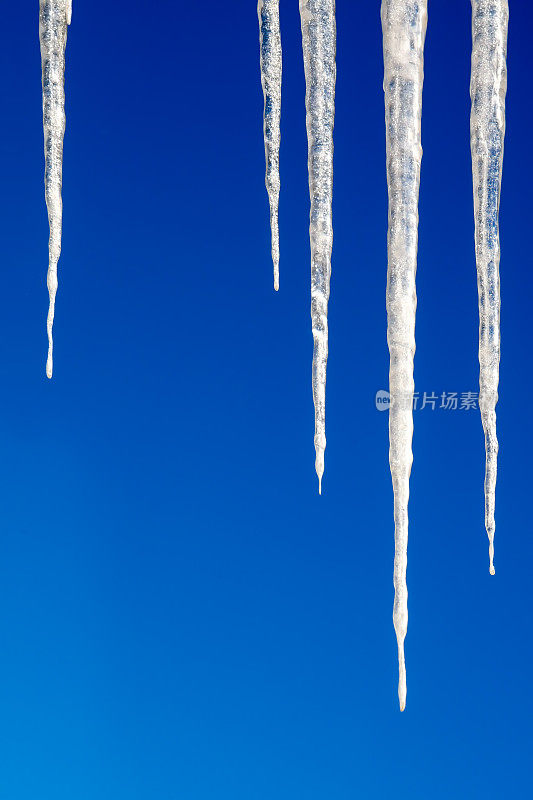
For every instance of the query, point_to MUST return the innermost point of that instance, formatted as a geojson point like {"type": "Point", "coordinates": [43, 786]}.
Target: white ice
{"type": "Point", "coordinates": [404, 28]}
{"type": "Point", "coordinates": [270, 50]}
{"type": "Point", "coordinates": [319, 44]}
{"type": "Point", "coordinates": [54, 16]}
{"type": "Point", "coordinates": [487, 130]}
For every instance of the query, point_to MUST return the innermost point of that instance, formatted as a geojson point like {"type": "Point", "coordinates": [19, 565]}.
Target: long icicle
{"type": "Point", "coordinates": [270, 48]}
{"type": "Point", "coordinates": [54, 16]}
{"type": "Point", "coordinates": [319, 44]}
{"type": "Point", "coordinates": [404, 29]}
{"type": "Point", "coordinates": [487, 130]}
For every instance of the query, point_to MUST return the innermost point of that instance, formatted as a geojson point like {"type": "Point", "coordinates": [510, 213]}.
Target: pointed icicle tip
{"type": "Point", "coordinates": [50, 358]}
{"type": "Point", "coordinates": [402, 682]}
{"type": "Point", "coordinates": [491, 554]}
{"type": "Point", "coordinates": [51, 281]}
{"type": "Point", "coordinates": [69, 12]}
{"type": "Point", "coordinates": [49, 327]}
{"type": "Point", "coordinates": [319, 467]}
{"type": "Point", "coordinates": [275, 260]}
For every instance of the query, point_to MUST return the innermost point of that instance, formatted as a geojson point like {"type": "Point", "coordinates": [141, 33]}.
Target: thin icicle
{"type": "Point", "coordinates": [270, 44]}
{"type": "Point", "coordinates": [319, 43]}
{"type": "Point", "coordinates": [54, 16]}
{"type": "Point", "coordinates": [487, 130]}
{"type": "Point", "coordinates": [404, 30]}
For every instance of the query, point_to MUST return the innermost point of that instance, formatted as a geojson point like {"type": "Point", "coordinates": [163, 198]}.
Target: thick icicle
{"type": "Point", "coordinates": [270, 48]}
{"type": "Point", "coordinates": [487, 129]}
{"type": "Point", "coordinates": [319, 43]}
{"type": "Point", "coordinates": [54, 16]}
{"type": "Point", "coordinates": [404, 29]}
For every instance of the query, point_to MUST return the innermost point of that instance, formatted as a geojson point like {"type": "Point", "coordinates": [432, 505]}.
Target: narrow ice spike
{"type": "Point", "coordinates": [404, 28]}
{"type": "Point", "coordinates": [319, 44]}
{"type": "Point", "coordinates": [488, 86]}
{"type": "Point", "coordinates": [54, 16]}
{"type": "Point", "coordinates": [270, 49]}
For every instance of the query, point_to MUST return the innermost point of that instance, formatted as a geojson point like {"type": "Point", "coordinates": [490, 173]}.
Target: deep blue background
{"type": "Point", "coordinates": [182, 616]}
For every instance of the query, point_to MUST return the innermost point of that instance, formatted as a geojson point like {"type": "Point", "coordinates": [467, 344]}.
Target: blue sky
{"type": "Point", "coordinates": [182, 615]}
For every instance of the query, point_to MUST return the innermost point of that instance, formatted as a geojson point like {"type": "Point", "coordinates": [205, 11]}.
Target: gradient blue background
{"type": "Point", "coordinates": [182, 616]}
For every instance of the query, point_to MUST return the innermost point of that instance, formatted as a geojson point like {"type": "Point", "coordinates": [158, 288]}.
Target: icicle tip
{"type": "Point", "coordinates": [50, 358]}
{"type": "Point", "coordinates": [275, 254]}
{"type": "Point", "coordinates": [490, 528]}
{"type": "Point", "coordinates": [319, 467]}
{"type": "Point", "coordinates": [402, 682]}
{"type": "Point", "coordinates": [51, 282]}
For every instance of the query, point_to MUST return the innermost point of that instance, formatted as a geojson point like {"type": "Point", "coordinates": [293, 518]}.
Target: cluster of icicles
{"type": "Point", "coordinates": [404, 29]}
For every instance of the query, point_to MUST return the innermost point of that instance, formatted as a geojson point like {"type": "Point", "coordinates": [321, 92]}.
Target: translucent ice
{"type": "Point", "coordinates": [319, 43]}
{"type": "Point", "coordinates": [404, 28]}
{"type": "Point", "coordinates": [487, 130]}
{"type": "Point", "coordinates": [270, 48]}
{"type": "Point", "coordinates": [54, 16]}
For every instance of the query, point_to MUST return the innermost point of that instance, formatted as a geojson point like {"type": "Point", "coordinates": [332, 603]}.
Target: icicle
{"type": "Point", "coordinates": [487, 129]}
{"type": "Point", "coordinates": [404, 30]}
{"type": "Point", "coordinates": [319, 42]}
{"type": "Point", "coordinates": [270, 42]}
{"type": "Point", "coordinates": [54, 16]}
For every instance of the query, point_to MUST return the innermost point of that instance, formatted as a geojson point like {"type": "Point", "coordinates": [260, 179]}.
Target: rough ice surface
{"type": "Point", "coordinates": [319, 43]}
{"type": "Point", "coordinates": [487, 130]}
{"type": "Point", "coordinates": [270, 49]}
{"type": "Point", "coordinates": [404, 28]}
{"type": "Point", "coordinates": [54, 16]}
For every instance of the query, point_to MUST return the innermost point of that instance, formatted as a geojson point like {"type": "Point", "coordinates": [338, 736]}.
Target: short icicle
{"type": "Point", "coordinates": [54, 16]}
{"type": "Point", "coordinates": [319, 45]}
{"type": "Point", "coordinates": [404, 28]}
{"type": "Point", "coordinates": [270, 49]}
{"type": "Point", "coordinates": [487, 130]}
